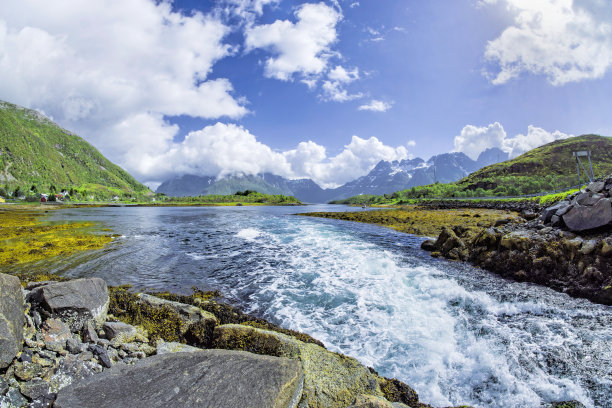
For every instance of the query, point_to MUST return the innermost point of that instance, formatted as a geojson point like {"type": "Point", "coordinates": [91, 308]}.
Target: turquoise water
{"type": "Point", "coordinates": [455, 333]}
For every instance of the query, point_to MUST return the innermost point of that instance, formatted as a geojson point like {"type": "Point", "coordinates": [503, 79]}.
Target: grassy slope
{"type": "Point", "coordinates": [546, 168]}
{"type": "Point", "coordinates": [35, 151]}
{"type": "Point", "coordinates": [551, 161]}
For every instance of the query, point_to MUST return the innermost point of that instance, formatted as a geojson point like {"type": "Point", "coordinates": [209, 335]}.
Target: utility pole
{"type": "Point", "coordinates": [589, 174]}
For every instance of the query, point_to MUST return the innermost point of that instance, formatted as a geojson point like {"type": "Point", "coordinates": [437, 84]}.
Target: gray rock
{"type": "Point", "coordinates": [582, 218]}
{"type": "Point", "coordinates": [174, 347]}
{"type": "Point", "coordinates": [15, 398]}
{"type": "Point", "coordinates": [547, 213]}
{"type": "Point", "coordinates": [102, 355]}
{"type": "Point", "coordinates": [596, 187]}
{"type": "Point", "coordinates": [119, 329]}
{"type": "Point", "coordinates": [429, 245]}
{"type": "Point", "coordinates": [586, 199]}
{"type": "Point", "coordinates": [209, 378]}
{"type": "Point", "coordinates": [198, 325]}
{"type": "Point", "coordinates": [74, 346]}
{"type": "Point", "coordinates": [88, 333]}
{"type": "Point", "coordinates": [3, 386]}
{"type": "Point", "coordinates": [75, 301]}
{"type": "Point", "coordinates": [36, 389]}
{"type": "Point", "coordinates": [331, 380]}
{"type": "Point", "coordinates": [71, 369]}
{"type": "Point", "coordinates": [12, 318]}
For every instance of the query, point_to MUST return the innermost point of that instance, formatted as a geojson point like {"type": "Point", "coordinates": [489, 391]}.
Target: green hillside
{"type": "Point", "coordinates": [39, 156]}
{"type": "Point", "coordinates": [547, 168]}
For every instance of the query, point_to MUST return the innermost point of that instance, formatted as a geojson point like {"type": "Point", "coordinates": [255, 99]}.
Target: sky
{"type": "Point", "coordinates": [308, 89]}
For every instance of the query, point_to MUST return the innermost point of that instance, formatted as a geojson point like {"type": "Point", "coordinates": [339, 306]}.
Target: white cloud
{"type": "Point", "coordinates": [229, 149]}
{"type": "Point", "coordinates": [354, 4]}
{"type": "Point", "coordinates": [112, 70]}
{"type": "Point", "coordinates": [248, 8]}
{"type": "Point", "coordinates": [535, 137]}
{"type": "Point", "coordinates": [411, 143]}
{"type": "Point", "coordinates": [300, 48]}
{"type": "Point", "coordinates": [333, 88]}
{"type": "Point", "coordinates": [474, 140]}
{"type": "Point", "coordinates": [341, 74]}
{"type": "Point", "coordinates": [357, 159]}
{"type": "Point", "coordinates": [376, 106]}
{"type": "Point", "coordinates": [564, 40]}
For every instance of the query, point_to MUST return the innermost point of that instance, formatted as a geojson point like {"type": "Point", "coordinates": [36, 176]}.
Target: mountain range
{"type": "Point", "coordinates": [385, 177]}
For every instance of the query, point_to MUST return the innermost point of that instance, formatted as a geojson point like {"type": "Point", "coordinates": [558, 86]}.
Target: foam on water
{"type": "Point", "coordinates": [412, 321]}
{"type": "Point", "coordinates": [250, 234]}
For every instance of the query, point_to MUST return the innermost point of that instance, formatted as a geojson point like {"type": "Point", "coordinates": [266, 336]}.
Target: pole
{"type": "Point", "coordinates": [591, 167]}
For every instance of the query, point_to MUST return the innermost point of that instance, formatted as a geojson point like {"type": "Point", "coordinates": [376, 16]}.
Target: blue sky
{"type": "Point", "coordinates": [308, 89]}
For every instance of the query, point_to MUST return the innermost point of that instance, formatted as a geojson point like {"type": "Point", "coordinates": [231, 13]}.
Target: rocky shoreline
{"type": "Point", "coordinates": [63, 345]}
{"type": "Point", "coordinates": [567, 246]}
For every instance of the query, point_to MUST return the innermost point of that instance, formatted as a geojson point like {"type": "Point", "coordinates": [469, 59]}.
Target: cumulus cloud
{"type": "Point", "coordinates": [300, 48]}
{"type": "Point", "coordinates": [473, 140]}
{"type": "Point", "coordinates": [564, 40]}
{"type": "Point", "coordinates": [112, 70]}
{"type": "Point", "coordinates": [357, 159]}
{"type": "Point", "coordinates": [376, 106]}
{"type": "Point", "coordinates": [535, 137]}
{"type": "Point", "coordinates": [334, 87]}
{"type": "Point", "coordinates": [228, 149]}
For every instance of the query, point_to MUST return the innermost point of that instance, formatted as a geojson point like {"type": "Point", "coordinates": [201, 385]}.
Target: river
{"type": "Point", "coordinates": [455, 333]}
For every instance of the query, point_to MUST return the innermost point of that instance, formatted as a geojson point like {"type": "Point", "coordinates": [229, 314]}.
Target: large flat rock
{"type": "Point", "coordinates": [208, 378]}
{"type": "Point", "coordinates": [75, 301]}
{"type": "Point", "coordinates": [584, 218]}
{"type": "Point", "coordinates": [331, 380]}
{"type": "Point", "coordinates": [12, 318]}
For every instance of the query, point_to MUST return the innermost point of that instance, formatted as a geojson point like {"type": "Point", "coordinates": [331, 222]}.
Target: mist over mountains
{"type": "Point", "coordinates": [385, 177]}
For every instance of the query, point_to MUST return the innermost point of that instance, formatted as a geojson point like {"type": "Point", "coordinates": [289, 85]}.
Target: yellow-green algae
{"type": "Point", "coordinates": [423, 221]}
{"type": "Point", "coordinates": [25, 237]}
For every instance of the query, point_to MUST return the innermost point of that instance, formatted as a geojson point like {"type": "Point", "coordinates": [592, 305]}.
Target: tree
{"type": "Point", "coordinates": [33, 188]}
{"type": "Point", "coordinates": [17, 193]}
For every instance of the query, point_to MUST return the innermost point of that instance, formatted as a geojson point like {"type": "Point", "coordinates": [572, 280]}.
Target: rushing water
{"type": "Point", "coordinates": [455, 333]}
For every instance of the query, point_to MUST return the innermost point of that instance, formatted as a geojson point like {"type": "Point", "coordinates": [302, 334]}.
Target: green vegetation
{"type": "Point", "coordinates": [37, 156]}
{"type": "Point", "coordinates": [27, 239]}
{"type": "Point", "coordinates": [423, 221]}
{"type": "Point", "coordinates": [247, 197]}
{"type": "Point", "coordinates": [547, 168]}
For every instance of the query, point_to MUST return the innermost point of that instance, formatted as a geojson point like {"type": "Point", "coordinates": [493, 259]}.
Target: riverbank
{"type": "Point", "coordinates": [425, 222]}
{"type": "Point", "coordinates": [79, 343]}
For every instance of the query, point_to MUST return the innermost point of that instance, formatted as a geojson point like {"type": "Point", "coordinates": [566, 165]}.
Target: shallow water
{"type": "Point", "coordinates": [455, 333]}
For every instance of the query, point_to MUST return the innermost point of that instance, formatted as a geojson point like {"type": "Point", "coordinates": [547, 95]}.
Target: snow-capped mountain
{"type": "Point", "coordinates": [385, 177]}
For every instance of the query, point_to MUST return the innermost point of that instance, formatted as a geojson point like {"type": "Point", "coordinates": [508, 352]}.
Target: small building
{"type": "Point", "coordinates": [43, 198]}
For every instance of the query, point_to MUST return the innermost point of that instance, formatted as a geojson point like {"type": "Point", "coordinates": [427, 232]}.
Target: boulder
{"type": "Point", "coordinates": [12, 318]}
{"type": "Point", "coordinates": [76, 301]}
{"type": "Point", "coordinates": [547, 213]}
{"type": "Point", "coordinates": [428, 245]}
{"type": "Point", "coordinates": [596, 187]}
{"type": "Point", "coordinates": [174, 347]}
{"type": "Point", "coordinates": [331, 380]}
{"type": "Point", "coordinates": [208, 378]}
{"type": "Point", "coordinates": [583, 218]}
{"type": "Point", "coordinates": [198, 325]}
